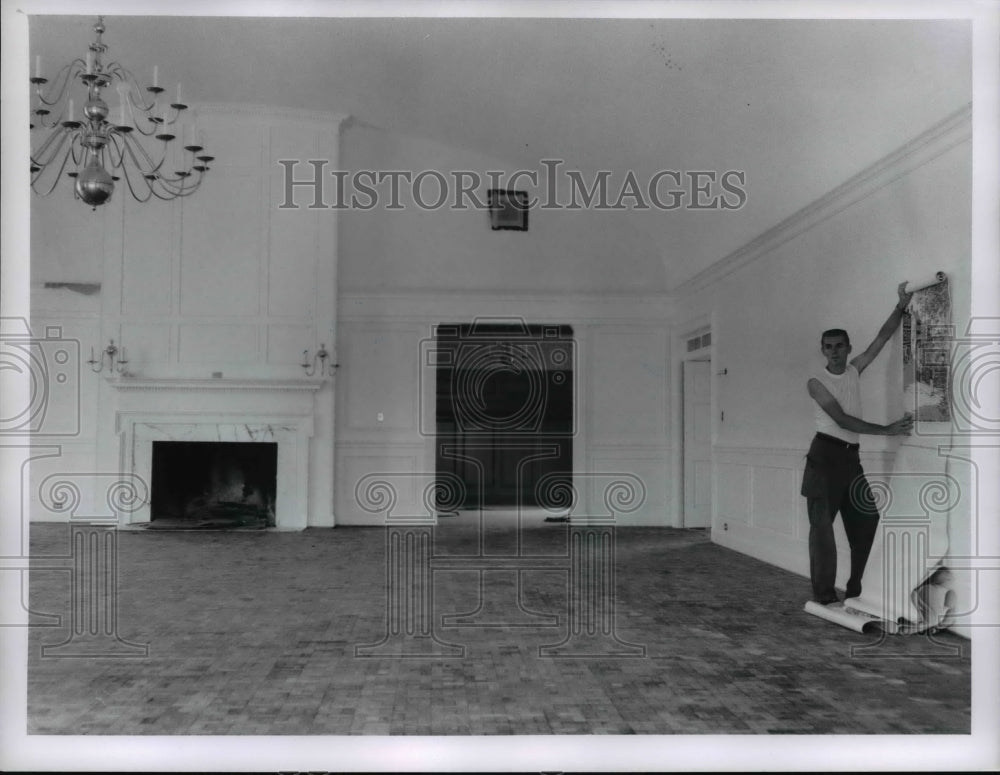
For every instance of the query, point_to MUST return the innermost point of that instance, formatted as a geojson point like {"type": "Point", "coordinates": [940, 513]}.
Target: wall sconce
{"type": "Point", "coordinates": [115, 357]}
{"type": "Point", "coordinates": [318, 363]}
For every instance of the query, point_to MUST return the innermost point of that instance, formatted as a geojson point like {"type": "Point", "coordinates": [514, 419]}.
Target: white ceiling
{"type": "Point", "coordinates": [799, 105]}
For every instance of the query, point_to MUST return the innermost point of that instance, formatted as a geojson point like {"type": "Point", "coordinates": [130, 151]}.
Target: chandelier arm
{"type": "Point", "coordinates": [76, 145]}
{"type": "Point", "coordinates": [151, 166]}
{"type": "Point", "coordinates": [64, 77]}
{"type": "Point", "coordinates": [176, 116]}
{"type": "Point", "coordinates": [129, 145]}
{"type": "Point", "coordinates": [138, 107]}
{"type": "Point", "coordinates": [176, 192]}
{"type": "Point", "coordinates": [127, 77]}
{"type": "Point", "coordinates": [174, 186]}
{"type": "Point", "coordinates": [164, 197]}
{"type": "Point", "coordinates": [116, 141]}
{"type": "Point", "coordinates": [153, 126]}
{"type": "Point", "coordinates": [150, 169]}
{"type": "Point", "coordinates": [55, 179]}
{"type": "Point", "coordinates": [179, 176]}
{"type": "Point", "coordinates": [39, 156]}
{"type": "Point", "coordinates": [136, 112]}
{"type": "Point", "coordinates": [131, 188]}
{"type": "Point", "coordinates": [192, 188]}
{"type": "Point", "coordinates": [51, 124]}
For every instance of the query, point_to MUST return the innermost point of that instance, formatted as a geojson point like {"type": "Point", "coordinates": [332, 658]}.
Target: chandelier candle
{"type": "Point", "coordinates": [86, 150]}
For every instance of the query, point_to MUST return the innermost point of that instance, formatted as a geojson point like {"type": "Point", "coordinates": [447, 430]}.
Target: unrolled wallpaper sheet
{"type": "Point", "coordinates": [907, 586]}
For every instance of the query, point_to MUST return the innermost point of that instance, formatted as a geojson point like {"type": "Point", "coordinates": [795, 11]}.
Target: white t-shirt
{"type": "Point", "coordinates": [846, 388]}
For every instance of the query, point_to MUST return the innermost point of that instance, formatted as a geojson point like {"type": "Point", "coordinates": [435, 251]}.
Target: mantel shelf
{"type": "Point", "coordinates": [280, 385]}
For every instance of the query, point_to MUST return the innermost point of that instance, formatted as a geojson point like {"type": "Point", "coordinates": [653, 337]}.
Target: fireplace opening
{"type": "Point", "coordinates": [214, 484]}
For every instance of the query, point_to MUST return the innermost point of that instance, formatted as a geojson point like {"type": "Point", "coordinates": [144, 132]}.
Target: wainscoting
{"type": "Point", "coordinates": [757, 506]}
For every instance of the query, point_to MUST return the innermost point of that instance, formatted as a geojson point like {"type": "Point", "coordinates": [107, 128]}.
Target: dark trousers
{"type": "Point", "coordinates": [833, 482]}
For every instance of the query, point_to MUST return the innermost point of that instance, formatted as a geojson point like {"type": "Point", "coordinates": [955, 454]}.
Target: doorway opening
{"type": "Point", "coordinates": [505, 401]}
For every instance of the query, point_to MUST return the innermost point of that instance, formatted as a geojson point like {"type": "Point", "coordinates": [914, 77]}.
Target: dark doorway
{"type": "Point", "coordinates": [214, 484]}
{"type": "Point", "coordinates": [505, 400]}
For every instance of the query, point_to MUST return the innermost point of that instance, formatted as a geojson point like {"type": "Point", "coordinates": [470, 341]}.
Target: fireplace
{"type": "Point", "coordinates": [214, 484]}
{"type": "Point", "coordinates": [221, 453]}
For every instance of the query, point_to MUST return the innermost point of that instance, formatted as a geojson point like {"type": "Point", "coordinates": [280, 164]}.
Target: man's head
{"type": "Point", "coordinates": [835, 345]}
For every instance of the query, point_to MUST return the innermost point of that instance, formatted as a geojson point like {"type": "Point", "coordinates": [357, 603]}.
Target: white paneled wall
{"type": "Point", "coordinates": [226, 281]}
{"type": "Point", "coordinates": [621, 379]}
{"type": "Point", "coordinates": [222, 284]}
{"type": "Point", "coordinates": [836, 263]}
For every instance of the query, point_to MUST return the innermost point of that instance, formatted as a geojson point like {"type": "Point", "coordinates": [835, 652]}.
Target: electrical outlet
{"type": "Point", "coordinates": [725, 526]}
{"type": "Point", "coordinates": [380, 417]}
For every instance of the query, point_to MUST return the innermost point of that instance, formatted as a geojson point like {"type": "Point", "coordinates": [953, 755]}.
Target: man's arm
{"type": "Point", "coordinates": [832, 407]}
{"type": "Point", "coordinates": [885, 332]}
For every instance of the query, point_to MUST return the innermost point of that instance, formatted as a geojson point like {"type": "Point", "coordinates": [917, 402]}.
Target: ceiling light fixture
{"type": "Point", "coordinates": [93, 143]}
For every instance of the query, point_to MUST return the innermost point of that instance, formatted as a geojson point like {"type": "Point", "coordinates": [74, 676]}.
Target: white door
{"type": "Point", "coordinates": [697, 444]}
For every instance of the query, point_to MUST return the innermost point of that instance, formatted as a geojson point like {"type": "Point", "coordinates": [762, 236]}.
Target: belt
{"type": "Point", "coordinates": [834, 440]}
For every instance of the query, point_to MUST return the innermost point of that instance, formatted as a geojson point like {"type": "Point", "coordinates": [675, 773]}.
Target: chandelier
{"type": "Point", "coordinates": [85, 148]}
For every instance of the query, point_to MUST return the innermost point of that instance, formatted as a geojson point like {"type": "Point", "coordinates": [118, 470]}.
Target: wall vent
{"type": "Point", "coordinates": [699, 342]}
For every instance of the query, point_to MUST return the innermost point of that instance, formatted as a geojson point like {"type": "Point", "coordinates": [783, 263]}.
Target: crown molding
{"type": "Point", "coordinates": [941, 137]}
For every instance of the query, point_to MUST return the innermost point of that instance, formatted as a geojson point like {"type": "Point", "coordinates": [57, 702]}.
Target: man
{"type": "Point", "coordinates": [834, 480]}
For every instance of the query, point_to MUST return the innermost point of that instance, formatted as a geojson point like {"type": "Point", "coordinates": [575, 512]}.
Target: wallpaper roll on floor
{"type": "Point", "coordinates": [911, 544]}
{"type": "Point", "coordinates": [849, 618]}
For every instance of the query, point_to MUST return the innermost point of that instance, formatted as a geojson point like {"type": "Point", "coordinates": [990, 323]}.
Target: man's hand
{"type": "Point", "coordinates": [861, 362]}
{"type": "Point", "coordinates": [904, 297]}
{"type": "Point", "coordinates": [902, 427]}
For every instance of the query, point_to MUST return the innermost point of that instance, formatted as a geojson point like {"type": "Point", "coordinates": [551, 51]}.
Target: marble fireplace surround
{"type": "Point", "coordinates": [281, 411]}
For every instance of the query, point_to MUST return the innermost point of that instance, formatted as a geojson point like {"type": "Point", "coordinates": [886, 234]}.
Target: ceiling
{"type": "Point", "coordinates": [798, 105]}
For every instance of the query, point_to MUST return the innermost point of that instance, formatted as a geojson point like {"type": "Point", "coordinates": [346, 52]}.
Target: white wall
{"type": "Point", "coordinates": [445, 249]}
{"type": "Point", "coordinates": [835, 264]}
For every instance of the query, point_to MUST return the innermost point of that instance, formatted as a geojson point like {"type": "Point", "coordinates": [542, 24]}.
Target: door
{"type": "Point", "coordinates": [697, 389]}
{"type": "Point", "coordinates": [505, 411]}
